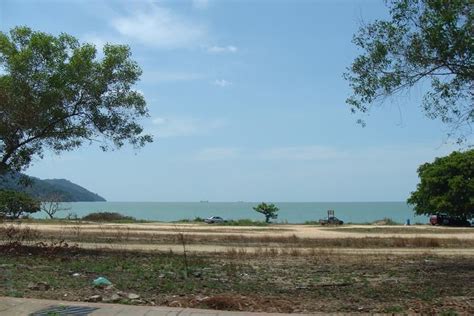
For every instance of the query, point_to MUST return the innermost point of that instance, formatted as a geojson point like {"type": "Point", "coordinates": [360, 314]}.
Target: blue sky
{"type": "Point", "coordinates": [246, 101]}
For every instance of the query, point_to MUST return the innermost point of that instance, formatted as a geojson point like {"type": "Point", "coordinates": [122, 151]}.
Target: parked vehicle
{"type": "Point", "coordinates": [448, 220]}
{"type": "Point", "coordinates": [331, 221]}
{"type": "Point", "coordinates": [214, 219]}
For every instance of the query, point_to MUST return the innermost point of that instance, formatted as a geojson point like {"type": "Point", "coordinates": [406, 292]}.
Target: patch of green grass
{"type": "Point", "coordinates": [311, 223]}
{"type": "Point", "coordinates": [449, 312]}
{"type": "Point", "coordinates": [187, 220]}
{"type": "Point", "coordinates": [428, 294]}
{"type": "Point", "coordinates": [396, 309]}
{"type": "Point", "coordinates": [14, 293]}
{"type": "Point", "coordinates": [111, 217]}
{"type": "Point", "coordinates": [232, 222]}
{"type": "Point", "coordinates": [243, 222]}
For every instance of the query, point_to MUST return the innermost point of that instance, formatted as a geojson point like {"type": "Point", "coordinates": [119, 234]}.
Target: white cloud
{"type": "Point", "coordinates": [160, 27]}
{"type": "Point", "coordinates": [165, 76]}
{"type": "Point", "coordinates": [200, 4]}
{"type": "Point", "coordinates": [139, 91]}
{"type": "Point", "coordinates": [178, 126]}
{"type": "Point", "coordinates": [218, 153]}
{"type": "Point", "coordinates": [222, 49]}
{"type": "Point", "coordinates": [301, 153]}
{"type": "Point", "coordinates": [97, 41]}
{"type": "Point", "coordinates": [316, 153]}
{"type": "Point", "coordinates": [222, 83]}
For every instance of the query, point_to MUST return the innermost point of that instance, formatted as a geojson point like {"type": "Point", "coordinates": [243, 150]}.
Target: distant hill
{"type": "Point", "coordinates": [42, 189]}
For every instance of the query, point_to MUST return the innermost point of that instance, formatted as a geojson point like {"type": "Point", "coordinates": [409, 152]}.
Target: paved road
{"type": "Point", "coordinates": [10, 306]}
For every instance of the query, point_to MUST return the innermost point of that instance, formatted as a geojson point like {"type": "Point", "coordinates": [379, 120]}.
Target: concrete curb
{"type": "Point", "coordinates": [12, 306]}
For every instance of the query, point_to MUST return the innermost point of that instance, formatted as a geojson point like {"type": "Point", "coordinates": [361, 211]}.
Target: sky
{"type": "Point", "coordinates": [246, 101]}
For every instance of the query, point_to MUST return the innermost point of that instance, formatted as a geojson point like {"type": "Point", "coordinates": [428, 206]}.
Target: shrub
{"type": "Point", "coordinates": [14, 204]}
{"type": "Point", "coordinates": [386, 221]}
{"type": "Point", "coordinates": [108, 217]}
{"type": "Point", "coordinates": [243, 222]}
{"type": "Point", "coordinates": [187, 220]}
{"type": "Point", "coordinates": [72, 217]}
{"type": "Point", "coordinates": [312, 223]}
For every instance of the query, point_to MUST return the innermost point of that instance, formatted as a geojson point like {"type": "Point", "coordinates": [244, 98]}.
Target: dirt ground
{"type": "Point", "coordinates": [276, 268]}
{"type": "Point", "coordinates": [266, 282]}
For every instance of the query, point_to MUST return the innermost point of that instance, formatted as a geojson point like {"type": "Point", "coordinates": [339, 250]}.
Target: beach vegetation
{"type": "Point", "coordinates": [269, 210]}
{"type": "Point", "coordinates": [14, 205]}
{"type": "Point", "coordinates": [108, 217]}
{"type": "Point", "coordinates": [243, 222]}
{"type": "Point", "coordinates": [197, 219]}
{"type": "Point", "coordinates": [446, 186]}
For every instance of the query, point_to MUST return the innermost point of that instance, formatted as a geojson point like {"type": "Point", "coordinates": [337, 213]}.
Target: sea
{"type": "Point", "coordinates": [290, 212]}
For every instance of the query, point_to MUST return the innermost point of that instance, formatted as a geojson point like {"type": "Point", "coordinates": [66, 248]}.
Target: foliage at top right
{"type": "Point", "coordinates": [429, 43]}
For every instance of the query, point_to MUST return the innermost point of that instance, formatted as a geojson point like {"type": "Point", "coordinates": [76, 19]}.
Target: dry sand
{"type": "Point", "coordinates": [146, 231]}
{"type": "Point", "coordinates": [301, 231]}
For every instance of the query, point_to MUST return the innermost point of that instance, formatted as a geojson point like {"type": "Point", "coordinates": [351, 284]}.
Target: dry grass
{"type": "Point", "coordinates": [425, 229]}
{"type": "Point", "coordinates": [14, 233]}
{"type": "Point", "coordinates": [288, 243]}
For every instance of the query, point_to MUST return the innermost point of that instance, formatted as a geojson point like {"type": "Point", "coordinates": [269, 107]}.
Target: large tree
{"type": "Point", "coordinates": [425, 42]}
{"type": "Point", "coordinates": [56, 94]}
{"type": "Point", "coordinates": [446, 185]}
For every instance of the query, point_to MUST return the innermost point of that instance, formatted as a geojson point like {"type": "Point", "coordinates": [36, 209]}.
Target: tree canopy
{"type": "Point", "coordinates": [269, 210]}
{"type": "Point", "coordinates": [56, 94]}
{"type": "Point", "coordinates": [446, 185]}
{"type": "Point", "coordinates": [14, 204]}
{"type": "Point", "coordinates": [426, 42]}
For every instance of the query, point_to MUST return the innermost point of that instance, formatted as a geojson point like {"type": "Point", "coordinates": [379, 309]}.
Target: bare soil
{"type": "Point", "coordinates": [321, 282]}
{"type": "Point", "coordinates": [279, 268]}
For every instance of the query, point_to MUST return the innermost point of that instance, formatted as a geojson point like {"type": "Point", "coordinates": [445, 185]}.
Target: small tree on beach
{"type": "Point", "coordinates": [446, 185]}
{"type": "Point", "coordinates": [52, 204]}
{"type": "Point", "coordinates": [269, 210]}
{"type": "Point", "coordinates": [15, 204]}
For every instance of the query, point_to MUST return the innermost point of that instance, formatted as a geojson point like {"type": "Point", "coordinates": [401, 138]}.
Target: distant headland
{"type": "Point", "coordinates": [45, 188]}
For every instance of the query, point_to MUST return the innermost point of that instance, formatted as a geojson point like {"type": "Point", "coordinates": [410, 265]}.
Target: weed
{"type": "Point", "coordinates": [386, 221]}
{"type": "Point", "coordinates": [108, 217]}
{"type": "Point", "coordinates": [428, 294]}
{"type": "Point", "coordinates": [449, 312]}
{"type": "Point", "coordinates": [396, 309]}
{"type": "Point", "coordinates": [17, 234]}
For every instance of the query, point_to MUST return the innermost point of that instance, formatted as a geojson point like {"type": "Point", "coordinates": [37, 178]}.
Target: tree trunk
{"type": "Point", "coordinates": [3, 168]}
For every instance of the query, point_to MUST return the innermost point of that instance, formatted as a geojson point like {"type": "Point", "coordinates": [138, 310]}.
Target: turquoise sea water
{"type": "Point", "coordinates": [356, 212]}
